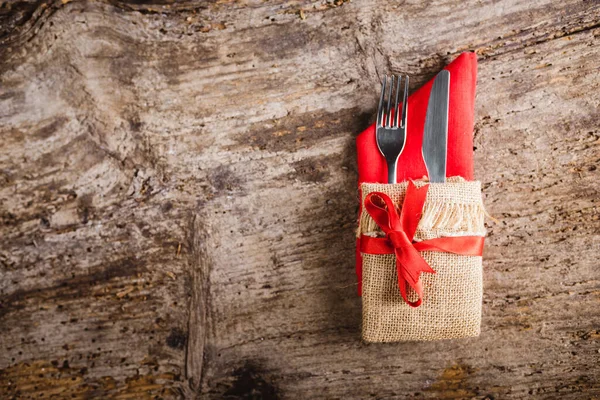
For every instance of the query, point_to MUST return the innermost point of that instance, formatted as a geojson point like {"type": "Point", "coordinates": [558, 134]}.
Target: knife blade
{"type": "Point", "coordinates": [435, 134]}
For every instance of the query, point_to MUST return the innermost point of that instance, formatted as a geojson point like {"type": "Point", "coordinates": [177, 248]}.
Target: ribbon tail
{"type": "Point", "coordinates": [409, 273]}
{"type": "Point", "coordinates": [413, 263]}
{"type": "Point", "coordinates": [404, 280]}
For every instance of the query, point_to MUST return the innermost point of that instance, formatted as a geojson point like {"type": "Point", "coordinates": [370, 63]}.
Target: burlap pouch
{"type": "Point", "coordinates": [452, 296]}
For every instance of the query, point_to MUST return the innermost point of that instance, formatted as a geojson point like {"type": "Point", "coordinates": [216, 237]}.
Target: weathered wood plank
{"type": "Point", "coordinates": [177, 198]}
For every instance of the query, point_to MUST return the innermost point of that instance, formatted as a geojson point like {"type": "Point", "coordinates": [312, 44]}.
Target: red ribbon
{"type": "Point", "coordinates": [400, 230]}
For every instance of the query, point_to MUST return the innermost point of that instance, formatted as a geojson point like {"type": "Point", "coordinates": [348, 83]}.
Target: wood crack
{"type": "Point", "coordinates": [490, 51]}
{"type": "Point", "coordinates": [199, 306]}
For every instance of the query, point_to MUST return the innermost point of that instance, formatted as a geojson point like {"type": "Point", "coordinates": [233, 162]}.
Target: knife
{"type": "Point", "coordinates": [435, 134]}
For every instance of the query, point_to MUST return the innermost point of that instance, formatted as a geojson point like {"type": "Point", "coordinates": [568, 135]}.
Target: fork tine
{"type": "Point", "coordinates": [388, 112]}
{"type": "Point", "coordinates": [405, 102]}
{"type": "Point", "coordinates": [380, 108]}
{"type": "Point", "coordinates": [396, 109]}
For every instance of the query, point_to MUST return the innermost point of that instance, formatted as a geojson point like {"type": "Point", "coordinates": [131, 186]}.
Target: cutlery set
{"type": "Point", "coordinates": [392, 122]}
{"type": "Point", "coordinates": [420, 244]}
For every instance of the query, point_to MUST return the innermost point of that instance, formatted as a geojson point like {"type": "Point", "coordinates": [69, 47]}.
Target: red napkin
{"type": "Point", "coordinates": [372, 166]}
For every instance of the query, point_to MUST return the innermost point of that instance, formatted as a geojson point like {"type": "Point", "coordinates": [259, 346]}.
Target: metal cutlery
{"type": "Point", "coordinates": [435, 133]}
{"type": "Point", "coordinates": [391, 123]}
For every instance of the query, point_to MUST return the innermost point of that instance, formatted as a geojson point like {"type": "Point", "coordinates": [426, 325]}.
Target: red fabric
{"type": "Point", "coordinates": [371, 165]}
{"type": "Point", "coordinates": [463, 245]}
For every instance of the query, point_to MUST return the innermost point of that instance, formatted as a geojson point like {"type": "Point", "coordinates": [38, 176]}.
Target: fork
{"type": "Point", "coordinates": [391, 126]}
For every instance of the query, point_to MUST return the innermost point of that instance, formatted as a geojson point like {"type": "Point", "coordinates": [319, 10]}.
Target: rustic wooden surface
{"type": "Point", "coordinates": [177, 197]}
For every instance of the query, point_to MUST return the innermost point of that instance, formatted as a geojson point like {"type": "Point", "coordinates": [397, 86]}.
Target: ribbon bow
{"type": "Point", "coordinates": [400, 231]}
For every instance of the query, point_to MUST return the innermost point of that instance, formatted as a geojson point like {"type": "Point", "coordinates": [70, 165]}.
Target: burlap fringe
{"type": "Point", "coordinates": [439, 214]}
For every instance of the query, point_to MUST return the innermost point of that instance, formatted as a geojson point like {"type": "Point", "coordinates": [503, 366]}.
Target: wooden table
{"type": "Point", "coordinates": [178, 197]}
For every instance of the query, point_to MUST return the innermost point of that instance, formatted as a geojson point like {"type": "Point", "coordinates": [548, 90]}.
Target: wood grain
{"type": "Point", "coordinates": [177, 197]}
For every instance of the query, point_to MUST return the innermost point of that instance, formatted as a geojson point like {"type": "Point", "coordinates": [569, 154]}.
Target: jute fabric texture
{"type": "Point", "coordinates": [451, 305]}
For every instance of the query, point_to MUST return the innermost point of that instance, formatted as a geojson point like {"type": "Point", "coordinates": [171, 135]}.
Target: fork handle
{"type": "Point", "coordinates": [392, 166]}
